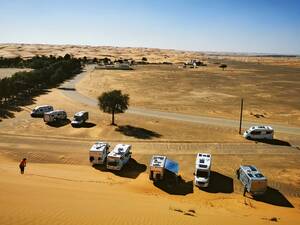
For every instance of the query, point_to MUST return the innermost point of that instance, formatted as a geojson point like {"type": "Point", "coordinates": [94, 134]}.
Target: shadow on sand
{"type": "Point", "coordinates": [85, 125]}
{"type": "Point", "coordinates": [219, 183]}
{"type": "Point", "coordinates": [66, 89]}
{"type": "Point", "coordinates": [131, 170]}
{"type": "Point", "coordinates": [273, 142]}
{"type": "Point", "coordinates": [137, 132]}
{"type": "Point", "coordinates": [174, 185]}
{"type": "Point", "coordinates": [60, 123]}
{"type": "Point", "coordinates": [274, 197]}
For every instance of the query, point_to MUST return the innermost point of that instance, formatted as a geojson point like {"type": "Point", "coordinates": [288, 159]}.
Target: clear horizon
{"type": "Point", "coordinates": [267, 27]}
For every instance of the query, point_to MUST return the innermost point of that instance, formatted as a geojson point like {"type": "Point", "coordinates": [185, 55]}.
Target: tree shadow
{"type": "Point", "coordinates": [132, 169]}
{"type": "Point", "coordinates": [59, 123]}
{"type": "Point", "coordinates": [67, 89]}
{"type": "Point", "coordinates": [85, 125]}
{"type": "Point", "coordinates": [274, 197]}
{"type": "Point", "coordinates": [273, 142]}
{"type": "Point", "coordinates": [137, 132]}
{"type": "Point", "coordinates": [174, 185]}
{"type": "Point", "coordinates": [219, 183]}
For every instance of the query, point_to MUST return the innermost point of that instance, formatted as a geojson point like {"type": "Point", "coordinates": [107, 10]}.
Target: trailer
{"type": "Point", "coordinates": [98, 153]}
{"type": "Point", "coordinates": [252, 179]}
{"type": "Point", "coordinates": [202, 169]}
{"type": "Point", "coordinates": [118, 157]}
{"type": "Point", "coordinates": [162, 168]}
{"type": "Point", "coordinates": [55, 116]}
{"type": "Point", "coordinates": [80, 118]}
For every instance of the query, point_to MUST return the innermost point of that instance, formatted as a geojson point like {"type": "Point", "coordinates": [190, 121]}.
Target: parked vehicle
{"type": "Point", "coordinates": [80, 118]}
{"type": "Point", "coordinates": [55, 116]}
{"type": "Point", "coordinates": [252, 179]}
{"type": "Point", "coordinates": [41, 110]}
{"type": "Point", "coordinates": [162, 168]}
{"type": "Point", "coordinates": [202, 169]}
{"type": "Point", "coordinates": [118, 157]}
{"type": "Point", "coordinates": [98, 153]}
{"type": "Point", "coordinates": [259, 132]}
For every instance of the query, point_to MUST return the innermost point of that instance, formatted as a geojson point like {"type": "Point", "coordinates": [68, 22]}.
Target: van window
{"type": "Point", "coordinates": [112, 163]}
{"type": "Point", "coordinates": [202, 174]}
{"type": "Point", "coordinates": [255, 132]}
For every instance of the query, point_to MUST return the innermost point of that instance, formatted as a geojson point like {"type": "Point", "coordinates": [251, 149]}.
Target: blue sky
{"type": "Point", "coordinates": [262, 26]}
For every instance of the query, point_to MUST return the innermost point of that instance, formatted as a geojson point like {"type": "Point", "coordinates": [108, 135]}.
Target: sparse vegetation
{"type": "Point", "coordinates": [223, 66]}
{"type": "Point", "coordinates": [113, 102]}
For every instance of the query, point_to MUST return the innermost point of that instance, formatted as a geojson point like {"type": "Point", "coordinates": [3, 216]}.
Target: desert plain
{"type": "Point", "coordinates": [173, 111]}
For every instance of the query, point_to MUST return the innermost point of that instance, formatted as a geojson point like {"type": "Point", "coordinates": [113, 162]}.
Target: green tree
{"type": "Point", "coordinates": [223, 66]}
{"type": "Point", "coordinates": [113, 102]}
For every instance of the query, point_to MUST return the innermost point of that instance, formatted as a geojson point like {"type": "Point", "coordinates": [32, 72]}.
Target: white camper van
{"type": "Point", "coordinates": [79, 118]}
{"type": "Point", "coordinates": [259, 132]}
{"type": "Point", "coordinates": [252, 179]}
{"type": "Point", "coordinates": [157, 167]}
{"type": "Point", "coordinates": [98, 153]}
{"type": "Point", "coordinates": [40, 110]}
{"type": "Point", "coordinates": [118, 157]}
{"type": "Point", "coordinates": [202, 170]}
{"type": "Point", "coordinates": [55, 116]}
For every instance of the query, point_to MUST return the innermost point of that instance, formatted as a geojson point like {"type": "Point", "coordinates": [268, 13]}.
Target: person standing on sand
{"type": "Point", "coordinates": [245, 190]}
{"type": "Point", "coordinates": [22, 165]}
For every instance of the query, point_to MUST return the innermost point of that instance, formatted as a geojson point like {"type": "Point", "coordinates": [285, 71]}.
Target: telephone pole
{"type": "Point", "coordinates": [241, 115]}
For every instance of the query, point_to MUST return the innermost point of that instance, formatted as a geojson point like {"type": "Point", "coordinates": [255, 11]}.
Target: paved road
{"type": "Point", "coordinates": [68, 88]}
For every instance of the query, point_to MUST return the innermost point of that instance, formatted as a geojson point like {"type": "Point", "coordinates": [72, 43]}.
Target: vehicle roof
{"type": "Point", "coordinates": [43, 106]}
{"type": "Point", "coordinates": [203, 161]}
{"type": "Point", "coordinates": [99, 146]}
{"type": "Point", "coordinates": [252, 172]}
{"type": "Point", "coordinates": [119, 150]}
{"type": "Point", "coordinates": [80, 113]}
{"type": "Point", "coordinates": [261, 127]}
{"type": "Point", "coordinates": [158, 160]}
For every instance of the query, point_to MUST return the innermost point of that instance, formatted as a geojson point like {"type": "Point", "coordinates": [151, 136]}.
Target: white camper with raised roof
{"type": "Point", "coordinates": [118, 157]}
{"type": "Point", "coordinates": [202, 169]}
{"type": "Point", "coordinates": [254, 181]}
{"type": "Point", "coordinates": [98, 153]}
{"type": "Point", "coordinates": [157, 167]}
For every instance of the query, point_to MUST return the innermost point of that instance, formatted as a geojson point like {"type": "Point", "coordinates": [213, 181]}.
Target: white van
{"type": "Point", "coordinates": [118, 157]}
{"type": "Point", "coordinates": [252, 179]}
{"type": "Point", "coordinates": [55, 116]}
{"type": "Point", "coordinates": [259, 132]}
{"type": "Point", "coordinates": [157, 167]}
{"type": "Point", "coordinates": [202, 169]}
{"type": "Point", "coordinates": [79, 118]}
{"type": "Point", "coordinates": [40, 110]}
{"type": "Point", "coordinates": [98, 153]}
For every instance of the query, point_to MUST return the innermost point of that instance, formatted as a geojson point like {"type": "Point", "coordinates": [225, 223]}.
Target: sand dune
{"type": "Point", "coordinates": [65, 194]}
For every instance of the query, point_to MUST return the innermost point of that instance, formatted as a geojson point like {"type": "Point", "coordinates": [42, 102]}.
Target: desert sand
{"type": "Point", "coordinates": [60, 187]}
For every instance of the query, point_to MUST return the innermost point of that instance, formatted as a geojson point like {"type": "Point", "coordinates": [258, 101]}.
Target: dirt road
{"type": "Point", "coordinates": [69, 89]}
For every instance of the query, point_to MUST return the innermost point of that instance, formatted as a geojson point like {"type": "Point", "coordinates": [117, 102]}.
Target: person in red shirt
{"type": "Point", "coordinates": [22, 165]}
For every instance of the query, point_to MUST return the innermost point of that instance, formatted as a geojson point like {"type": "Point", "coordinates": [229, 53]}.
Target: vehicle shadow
{"type": "Point", "coordinates": [174, 185]}
{"type": "Point", "coordinates": [274, 197]}
{"type": "Point", "coordinates": [130, 170]}
{"type": "Point", "coordinates": [85, 125]}
{"type": "Point", "coordinates": [59, 123]}
{"type": "Point", "coordinates": [272, 142]}
{"type": "Point", "coordinates": [219, 183]}
{"type": "Point", "coordinates": [137, 132]}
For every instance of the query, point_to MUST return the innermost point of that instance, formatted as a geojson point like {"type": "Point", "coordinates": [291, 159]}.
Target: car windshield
{"type": "Point", "coordinates": [201, 173]}
{"type": "Point", "coordinates": [77, 118]}
{"type": "Point", "coordinates": [112, 163]}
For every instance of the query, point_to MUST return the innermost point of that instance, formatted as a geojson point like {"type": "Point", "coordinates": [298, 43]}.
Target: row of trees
{"type": "Point", "coordinates": [48, 72]}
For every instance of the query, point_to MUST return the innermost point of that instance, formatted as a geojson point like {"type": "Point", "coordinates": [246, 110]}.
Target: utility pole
{"type": "Point", "coordinates": [241, 115]}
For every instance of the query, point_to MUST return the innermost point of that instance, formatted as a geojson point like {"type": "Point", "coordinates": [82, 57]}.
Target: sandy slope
{"type": "Point", "coordinates": [65, 194]}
